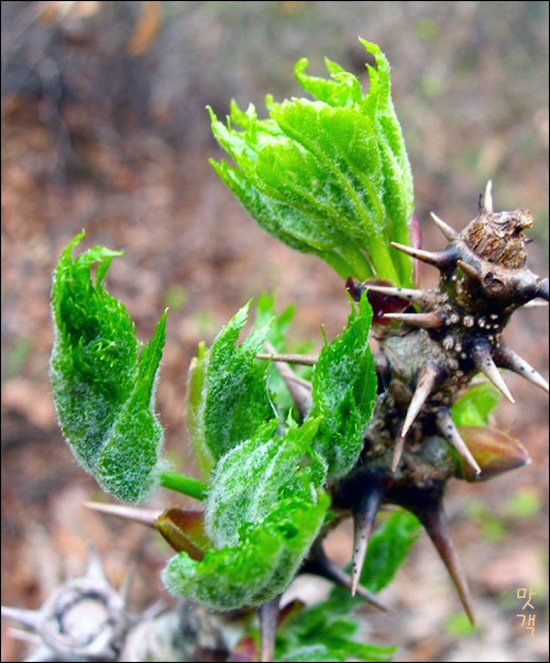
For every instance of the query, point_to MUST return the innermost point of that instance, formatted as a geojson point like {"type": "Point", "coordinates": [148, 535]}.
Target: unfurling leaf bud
{"type": "Point", "coordinates": [494, 451]}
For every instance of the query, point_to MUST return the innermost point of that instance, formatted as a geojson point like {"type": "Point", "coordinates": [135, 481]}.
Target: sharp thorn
{"type": "Point", "coordinates": [542, 290]}
{"type": "Point", "coordinates": [450, 432]}
{"type": "Point", "coordinates": [419, 297]}
{"type": "Point", "coordinates": [305, 360]}
{"type": "Point", "coordinates": [441, 259]}
{"type": "Point", "coordinates": [397, 452]}
{"type": "Point", "coordinates": [268, 613]}
{"type": "Point", "coordinates": [432, 517]}
{"type": "Point", "coordinates": [449, 232]}
{"type": "Point", "coordinates": [299, 389]}
{"type": "Point", "coordinates": [42, 653]}
{"type": "Point", "coordinates": [535, 303]}
{"type": "Point", "coordinates": [364, 514]}
{"type": "Point", "coordinates": [470, 272]}
{"type": "Point", "coordinates": [143, 516]}
{"type": "Point", "coordinates": [94, 570]}
{"type": "Point", "coordinates": [431, 320]}
{"type": "Point", "coordinates": [507, 358]}
{"type": "Point", "coordinates": [484, 362]}
{"type": "Point", "coordinates": [28, 618]}
{"type": "Point", "coordinates": [319, 564]}
{"type": "Point", "coordinates": [424, 386]}
{"type": "Point", "coordinates": [489, 197]}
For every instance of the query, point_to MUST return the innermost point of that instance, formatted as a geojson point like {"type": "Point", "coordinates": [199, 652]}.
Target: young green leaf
{"type": "Point", "coordinates": [265, 507]}
{"type": "Point", "coordinates": [257, 569]}
{"type": "Point", "coordinates": [344, 391]}
{"type": "Point", "coordinates": [227, 397]}
{"type": "Point", "coordinates": [322, 633]}
{"type": "Point", "coordinates": [250, 479]}
{"type": "Point", "coordinates": [329, 176]}
{"type": "Point", "coordinates": [104, 395]}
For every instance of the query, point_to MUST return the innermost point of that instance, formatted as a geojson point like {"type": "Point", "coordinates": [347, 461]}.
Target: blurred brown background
{"type": "Point", "coordinates": [104, 127]}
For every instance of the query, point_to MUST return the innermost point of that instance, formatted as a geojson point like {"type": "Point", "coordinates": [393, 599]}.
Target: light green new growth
{"type": "Point", "coordinates": [249, 480]}
{"type": "Point", "coordinates": [265, 507]}
{"type": "Point", "coordinates": [265, 499]}
{"type": "Point", "coordinates": [226, 393]}
{"type": "Point", "coordinates": [329, 176]}
{"type": "Point", "coordinates": [474, 407]}
{"type": "Point", "coordinates": [104, 394]}
{"type": "Point", "coordinates": [344, 391]}
{"type": "Point", "coordinates": [260, 567]}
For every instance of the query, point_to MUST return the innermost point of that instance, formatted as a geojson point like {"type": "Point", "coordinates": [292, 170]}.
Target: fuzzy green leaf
{"type": "Point", "coordinates": [227, 397]}
{"type": "Point", "coordinates": [330, 176]}
{"type": "Point", "coordinates": [104, 395]}
{"type": "Point", "coordinates": [344, 391]}
{"type": "Point", "coordinates": [249, 479]}
{"type": "Point", "coordinates": [264, 509]}
{"type": "Point", "coordinates": [260, 567]}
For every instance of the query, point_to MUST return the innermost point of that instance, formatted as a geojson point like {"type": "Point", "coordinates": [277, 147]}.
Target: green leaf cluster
{"type": "Point", "coordinates": [330, 176]}
{"type": "Point", "coordinates": [103, 393]}
{"type": "Point", "coordinates": [266, 500]}
{"type": "Point", "coordinates": [249, 480]}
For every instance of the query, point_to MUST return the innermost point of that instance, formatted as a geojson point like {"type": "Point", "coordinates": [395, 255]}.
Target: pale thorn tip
{"type": "Point", "coordinates": [450, 233]}
{"type": "Point", "coordinates": [23, 616]}
{"type": "Point", "coordinates": [414, 296]}
{"type": "Point", "coordinates": [143, 516]}
{"type": "Point", "coordinates": [398, 452]}
{"type": "Point", "coordinates": [425, 384]}
{"type": "Point", "coordinates": [485, 363]}
{"type": "Point", "coordinates": [450, 432]}
{"type": "Point", "coordinates": [431, 320]}
{"type": "Point", "coordinates": [435, 259]}
{"type": "Point", "coordinates": [470, 271]}
{"type": "Point", "coordinates": [507, 358]}
{"type": "Point", "coordinates": [535, 303]}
